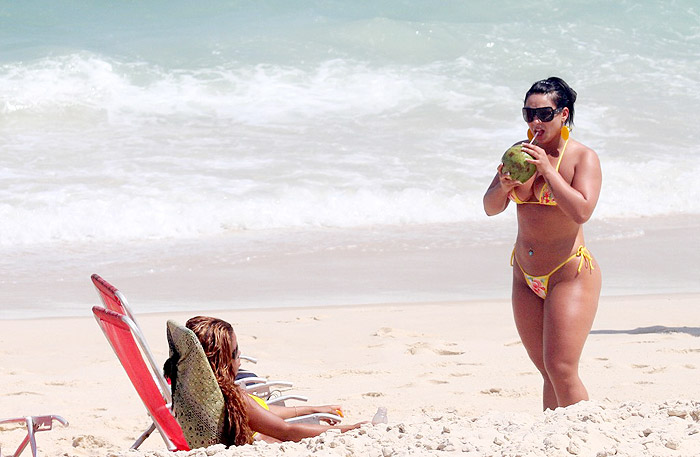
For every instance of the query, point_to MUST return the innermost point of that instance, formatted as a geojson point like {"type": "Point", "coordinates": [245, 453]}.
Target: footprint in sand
{"type": "Point", "coordinates": [358, 371]}
{"type": "Point", "coordinates": [492, 391]}
{"type": "Point", "coordinates": [527, 373]}
{"type": "Point", "coordinates": [415, 348]}
{"type": "Point", "coordinates": [681, 351]}
{"type": "Point", "coordinates": [650, 370]}
{"type": "Point", "coordinates": [343, 373]}
{"type": "Point", "coordinates": [373, 394]}
{"type": "Point", "coordinates": [60, 383]}
{"type": "Point", "coordinates": [89, 442]}
{"type": "Point", "coordinates": [384, 331]}
{"type": "Point", "coordinates": [499, 392]}
{"type": "Point", "coordinates": [25, 392]}
{"type": "Point", "coordinates": [388, 332]}
{"type": "Point", "coordinates": [460, 375]}
{"type": "Point", "coordinates": [299, 319]}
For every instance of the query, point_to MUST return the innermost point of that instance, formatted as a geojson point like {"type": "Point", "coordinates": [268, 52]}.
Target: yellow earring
{"type": "Point", "coordinates": [565, 132]}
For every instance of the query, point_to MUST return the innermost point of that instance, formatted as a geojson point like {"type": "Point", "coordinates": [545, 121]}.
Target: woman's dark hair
{"type": "Point", "coordinates": [562, 94]}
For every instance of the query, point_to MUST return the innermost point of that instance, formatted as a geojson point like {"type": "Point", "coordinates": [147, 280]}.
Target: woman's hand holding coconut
{"type": "Point", "coordinates": [506, 181]}
{"type": "Point", "coordinates": [539, 159]}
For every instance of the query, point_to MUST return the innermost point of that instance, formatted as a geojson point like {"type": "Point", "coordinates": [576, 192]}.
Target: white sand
{"type": "Point", "coordinates": [588, 429]}
{"type": "Point", "coordinates": [453, 375]}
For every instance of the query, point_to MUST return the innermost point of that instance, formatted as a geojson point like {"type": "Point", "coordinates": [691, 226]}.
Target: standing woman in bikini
{"type": "Point", "coordinates": [556, 281]}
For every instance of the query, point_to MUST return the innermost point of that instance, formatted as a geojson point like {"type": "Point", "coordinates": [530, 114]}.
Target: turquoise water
{"type": "Point", "coordinates": [187, 122]}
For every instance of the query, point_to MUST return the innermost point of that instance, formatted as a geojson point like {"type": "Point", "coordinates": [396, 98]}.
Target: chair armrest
{"type": "Point", "coordinates": [280, 401]}
{"type": "Point", "coordinates": [262, 389]}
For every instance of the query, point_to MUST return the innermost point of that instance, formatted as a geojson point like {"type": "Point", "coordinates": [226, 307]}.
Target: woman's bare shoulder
{"type": "Point", "coordinates": [582, 153]}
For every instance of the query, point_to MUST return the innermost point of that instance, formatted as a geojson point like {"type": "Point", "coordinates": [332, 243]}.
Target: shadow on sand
{"type": "Point", "coordinates": [693, 331]}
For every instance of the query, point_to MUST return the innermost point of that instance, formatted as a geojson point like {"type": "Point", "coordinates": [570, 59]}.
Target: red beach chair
{"type": "Point", "coordinates": [132, 351]}
{"type": "Point", "coordinates": [111, 297]}
{"type": "Point", "coordinates": [115, 301]}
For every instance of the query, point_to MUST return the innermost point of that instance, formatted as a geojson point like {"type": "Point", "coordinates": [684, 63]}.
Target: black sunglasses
{"type": "Point", "coordinates": [545, 114]}
{"type": "Point", "coordinates": [235, 353]}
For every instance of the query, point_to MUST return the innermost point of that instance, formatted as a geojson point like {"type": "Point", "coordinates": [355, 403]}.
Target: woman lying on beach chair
{"type": "Point", "coordinates": [234, 417]}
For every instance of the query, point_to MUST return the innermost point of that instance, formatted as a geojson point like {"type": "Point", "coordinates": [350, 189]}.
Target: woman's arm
{"type": "Point", "coordinates": [496, 197]}
{"type": "Point", "coordinates": [267, 423]}
{"type": "Point", "coordinates": [286, 412]}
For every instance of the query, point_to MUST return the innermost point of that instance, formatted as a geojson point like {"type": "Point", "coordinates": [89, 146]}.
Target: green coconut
{"type": "Point", "coordinates": [515, 163]}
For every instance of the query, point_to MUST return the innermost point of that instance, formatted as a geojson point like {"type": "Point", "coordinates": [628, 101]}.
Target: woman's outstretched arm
{"type": "Point", "coordinates": [268, 423]}
{"type": "Point", "coordinates": [288, 412]}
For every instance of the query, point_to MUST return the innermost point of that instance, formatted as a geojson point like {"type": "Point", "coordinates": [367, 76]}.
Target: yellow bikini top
{"type": "Point", "coordinates": [545, 197]}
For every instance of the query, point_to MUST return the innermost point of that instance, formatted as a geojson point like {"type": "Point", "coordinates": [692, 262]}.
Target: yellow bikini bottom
{"type": "Point", "coordinates": [538, 284]}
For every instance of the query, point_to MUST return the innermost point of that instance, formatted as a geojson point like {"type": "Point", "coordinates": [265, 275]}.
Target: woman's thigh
{"type": "Point", "coordinates": [528, 313]}
{"type": "Point", "coordinates": [569, 311]}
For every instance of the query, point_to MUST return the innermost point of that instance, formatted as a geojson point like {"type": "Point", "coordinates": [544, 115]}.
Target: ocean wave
{"type": "Point", "coordinates": [122, 217]}
{"type": "Point", "coordinates": [123, 213]}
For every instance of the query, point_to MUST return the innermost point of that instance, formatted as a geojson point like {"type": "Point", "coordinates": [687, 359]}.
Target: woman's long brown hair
{"type": "Point", "coordinates": [216, 337]}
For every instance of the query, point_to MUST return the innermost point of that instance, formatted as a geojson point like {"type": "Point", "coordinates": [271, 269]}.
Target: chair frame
{"type": "Point", "coordinates": [115, 301]}
{"type": "Point", "coordinates": [262, 388]}
{"type": "Point", "coordinates": [107, 320]}
{"type": "Point", "coordinates": [34, 424]}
